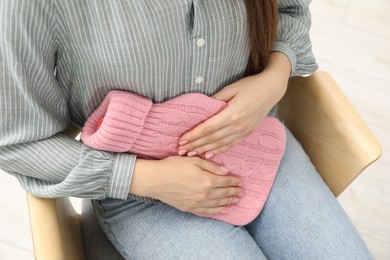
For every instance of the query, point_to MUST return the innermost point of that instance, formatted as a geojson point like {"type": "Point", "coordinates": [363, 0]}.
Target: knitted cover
{"type": "Point", "coordinates": [134, 124]}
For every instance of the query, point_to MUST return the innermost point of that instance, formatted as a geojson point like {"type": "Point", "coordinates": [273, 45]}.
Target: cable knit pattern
{"type": "Point", "coordinates": [134, 124]}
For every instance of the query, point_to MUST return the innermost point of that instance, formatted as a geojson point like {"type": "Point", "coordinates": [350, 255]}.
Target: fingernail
{"type": "Point", "coordinates": [224, 169]}
{"type": "Point", "coordinates": [241, 184]}
{"type": "Point", "coordinates": [193, 153]}
{"type": "Point", "coordinates": [223, 211]}
{"type": "Point", "coordinates": [209, 155]}
{"type": "Point", "coordinates": [241, 194]}
{"type": "Point", "coordinates": [182, 152]}
{"type": "Point", "coordinates": [183, 142]}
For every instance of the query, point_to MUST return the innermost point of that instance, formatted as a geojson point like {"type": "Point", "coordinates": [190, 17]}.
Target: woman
{"type": "Point", "coordinates": [60, 58]}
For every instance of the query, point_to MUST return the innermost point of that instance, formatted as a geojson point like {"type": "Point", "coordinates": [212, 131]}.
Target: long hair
{"type": "Point", "coordinates": [263, 21]}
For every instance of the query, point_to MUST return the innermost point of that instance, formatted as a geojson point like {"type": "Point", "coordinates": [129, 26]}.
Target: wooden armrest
{"type": "Point", "coordinates": [72, 131]}
{"type": "Point", "coordinates": [330, 130]}
{"type": "Point", "coordinates": [55, 226]}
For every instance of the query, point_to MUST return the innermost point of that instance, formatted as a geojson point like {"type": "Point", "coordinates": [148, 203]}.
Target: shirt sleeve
{"type": "Point", "coordinates": [293, 38]}
{"type": "Point", "coordinates": [34, 111]}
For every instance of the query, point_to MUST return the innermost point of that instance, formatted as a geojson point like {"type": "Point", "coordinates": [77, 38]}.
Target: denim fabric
{"type": "Point", "coordinates": [301, 220]}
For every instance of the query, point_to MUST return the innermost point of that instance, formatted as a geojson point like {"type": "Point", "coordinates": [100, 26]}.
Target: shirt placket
{"type": "Point", "coordinates": [199, 49]}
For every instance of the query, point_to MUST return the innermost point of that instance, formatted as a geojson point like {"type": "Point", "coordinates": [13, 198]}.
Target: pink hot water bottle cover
{"type": "Point", "coordinates": [134, 124]}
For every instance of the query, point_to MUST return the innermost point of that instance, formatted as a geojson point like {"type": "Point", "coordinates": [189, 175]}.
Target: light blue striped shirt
{"type": "Point", "coordinates": [58, 59]}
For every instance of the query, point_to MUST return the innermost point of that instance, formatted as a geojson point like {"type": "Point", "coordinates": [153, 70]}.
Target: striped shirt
{"type": "Point", "coordinates": [58, 60]}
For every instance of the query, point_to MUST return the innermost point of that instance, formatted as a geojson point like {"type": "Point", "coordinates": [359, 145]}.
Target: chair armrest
{"type": "Point", "coordinates": [55, 226]}
{"type": "Point", "coordinates": [330, 130]}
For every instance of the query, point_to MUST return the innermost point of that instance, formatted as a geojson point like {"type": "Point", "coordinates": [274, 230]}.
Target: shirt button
{"type": "Point", "coordinates": [199, 80]}
{"type": "Point", "coordinates": [200, 42]}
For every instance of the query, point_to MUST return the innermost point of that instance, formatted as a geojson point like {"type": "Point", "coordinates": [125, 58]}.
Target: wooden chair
{"type": "Point", "coordinates": [315, 110]}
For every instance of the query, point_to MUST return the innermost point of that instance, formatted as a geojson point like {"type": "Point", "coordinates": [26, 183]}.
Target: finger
{"type": "Point", "coordinates": [226, 93]}
{"type": "Point", "coordinates": [209, 211]}
{"type": "Point", "coordinates": [214, 137]}
{"type": "Point", "coordinates": [211, 149]}
{"type": "Point", "coordinates": [210, 167]}
{"type": "Point", "coordinates": [209, 154]}
{"type": "Point", "coordinates": [206, 128]}
{"type": "Point", "coordinates": [221, 193]}
{"type": "Point", "coordinates": [216, 203]}
{"type": "Point", "coordinates": [226, 181]}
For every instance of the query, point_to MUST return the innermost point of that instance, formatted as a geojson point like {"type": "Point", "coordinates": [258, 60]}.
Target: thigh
{"type": "Point", "coordinates": [301, 218]}
{"type": "Point", "coordinates": [141, 230]}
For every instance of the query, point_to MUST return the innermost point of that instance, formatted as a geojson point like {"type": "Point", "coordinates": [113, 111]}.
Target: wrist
{"type": "Point", "coordinates": [278, 66]}
{"type": "Point", "coordinates": [276, 75]}
{"type": "Point", "coordinates": [279, 63]}
{"type": "Point", "coordinates": [143, 177]}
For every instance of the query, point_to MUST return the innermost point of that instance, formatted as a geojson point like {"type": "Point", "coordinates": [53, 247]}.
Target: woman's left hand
{"type": "Point", "coordinates": [249, 101]}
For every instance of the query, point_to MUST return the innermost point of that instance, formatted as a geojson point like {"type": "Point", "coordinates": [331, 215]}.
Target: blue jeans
{"type": "Point", "coordinates": [300, 220]}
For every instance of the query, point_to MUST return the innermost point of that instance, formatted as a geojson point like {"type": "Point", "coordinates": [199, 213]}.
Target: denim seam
{"type": "Point", "coordinates": [108, 229]}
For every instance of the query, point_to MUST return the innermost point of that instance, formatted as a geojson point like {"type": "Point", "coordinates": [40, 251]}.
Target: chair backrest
{"type": "Point", "coordinates": [330, 130]}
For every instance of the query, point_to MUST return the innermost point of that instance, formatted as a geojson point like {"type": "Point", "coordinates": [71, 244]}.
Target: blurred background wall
{"type": "Point", "coordinates": [351, 39]}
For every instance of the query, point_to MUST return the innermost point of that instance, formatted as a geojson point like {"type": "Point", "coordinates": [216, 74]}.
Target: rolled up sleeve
{"type": "Point", "coordinates": [34, 110]}
{"type": "Point", "coordinates": [293, 37]}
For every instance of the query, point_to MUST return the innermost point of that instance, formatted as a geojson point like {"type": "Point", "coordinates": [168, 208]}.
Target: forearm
{"type": "Point", "coordinates": [276, 73]}
{"type": "Point", "coordinates": [60, 166]}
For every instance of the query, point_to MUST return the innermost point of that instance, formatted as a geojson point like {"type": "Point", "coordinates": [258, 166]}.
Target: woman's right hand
{"type": "Point", "coordinates": [190, 184]}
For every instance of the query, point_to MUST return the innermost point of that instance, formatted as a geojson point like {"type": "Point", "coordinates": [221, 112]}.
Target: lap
{"type": "Point", "coordinates": [142, 230]}
{"type": "Point", "coordinates": [301, 220]}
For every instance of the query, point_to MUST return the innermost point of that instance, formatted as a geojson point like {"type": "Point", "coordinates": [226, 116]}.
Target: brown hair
{"type": "Point", "coordinates": [263, 21]}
